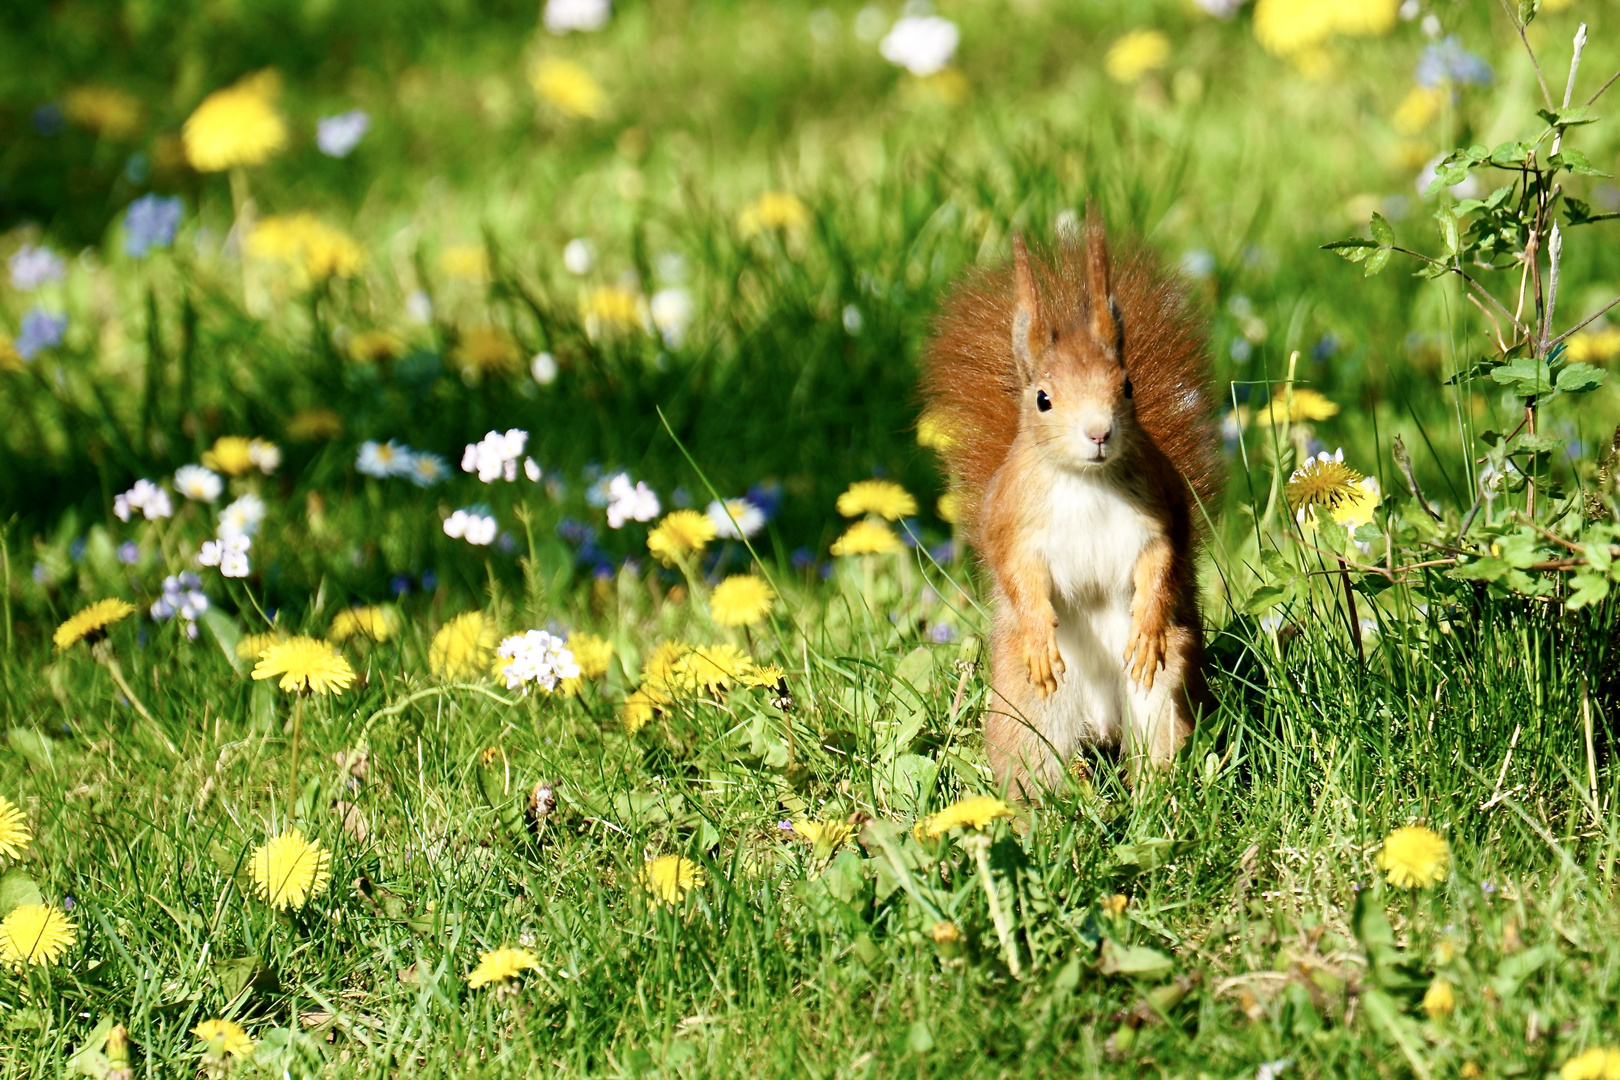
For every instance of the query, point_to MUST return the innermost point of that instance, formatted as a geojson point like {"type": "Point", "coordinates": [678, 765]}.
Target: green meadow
{"type": "Point", "coordinates": [435, 641]}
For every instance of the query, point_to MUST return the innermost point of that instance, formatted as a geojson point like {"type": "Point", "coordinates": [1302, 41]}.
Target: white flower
{"type": "Point", "coordinates": [474, 526]}
{"type": "Point", "coordinates": [419, 306]}
{"type": "Point", "coordinates": [33, 266]}
{"type": "Point", "coordinates": [243, 516]}
{"type": "Point", "coordinates": [922, 44]}
{"type": "Point", "coordinates": [229, 553]}
{"type": "Point", "coordinates": [579, 256]}
{"type": "Point", "coordinates": [536, 657]}
{"type": "Point", "coordinates": [197, 483]}
{"type": "Point", "coordinates": [426, 469]}
{"type": "Point", "coordinates": [586, 16]}
{"type": "Point", "coordinates": [183, 596]}
{"type": "Point", "coordinates": [264, 454]}
{"type": "Point", "coordinates": [495, 455]}
{"type": "Point", "coordinates": [531, 469]}
{"type": "Point", "coordinates": [629, 503]}
{"type": "Point", "coordinates": [383, 460]}
{"type": "Point", "coordinates": [337, 136]}
{"type": "Point", "coordinates": [544, 368]}
{"type": "Point", "coordinates": [152, 501]}
{"type": "Point", "coordinates": [671, 313]}
{"type": "Point", "coordinates": [748, 518]}
{"type": "Point", "coordinates": [1221, 9]}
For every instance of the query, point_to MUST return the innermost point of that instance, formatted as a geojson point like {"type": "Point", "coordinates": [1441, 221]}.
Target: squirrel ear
{"type": "Point", "coordinates": [1104, 313]}
{"type": "Point", "coordinates": [1027, 313]}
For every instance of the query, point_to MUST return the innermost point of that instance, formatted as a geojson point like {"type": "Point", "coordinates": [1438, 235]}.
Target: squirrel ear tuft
{"type": "Point", "coordinates": [1104, 312]}
{"type": "Point", "coordinates": [1027, 323]}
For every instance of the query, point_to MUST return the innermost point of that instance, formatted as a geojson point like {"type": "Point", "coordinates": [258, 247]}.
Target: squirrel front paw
{"type": "Point", "coordinates": [1144, 653]}
{"type": "Point", "coordinates": [1041, 656]}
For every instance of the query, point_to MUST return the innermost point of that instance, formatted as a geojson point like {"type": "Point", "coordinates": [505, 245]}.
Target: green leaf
{"type": "Point", "coordinates": [1353, 250]}
{"type": "Point", "coordinates": [1525, 376]}
{"type": "Point", "coordinates": [1382, 230]}
{"type": "Point", "coordinates": [1528, 9]}
{"type": "Point", "coordinates": [1534, 444]}
{"type": "Point", "coordinates": [17, 889]}
{"type": "Point", "coordinates": [1137, 961]}
{"type": "Point", "coordinates": [1514, 970]}
{"type": "Point", "coordinates": [1447, 220]}
{"type": "Point", "coordinates": [1575, 163]}
{"type": "Point", "coordinates": [89, 1060]}
{"type": "Point", "coordinates": [1586, 589]}
{"type": "Point", "coordinates": [1579, 377]}
{"type": "Point", "coordinates": [1145, 855]}
{"type": "Point", "coordinates": [34, 747]}
{"type": "Point", "coordinates": [1377, 261]}
{"type": "Point", "coordinates": [226, 635]}
{"type": "Point", "coordinates": [1487, 568]}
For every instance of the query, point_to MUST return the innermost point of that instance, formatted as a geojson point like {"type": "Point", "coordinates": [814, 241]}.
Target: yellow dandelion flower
{"type": "Point", "coordinates": [665, 674]}
{"type": "Point", "coordinates": [1302, 405]}
{"type": "Point", "coordinates": [91, 623]}
{"type": "Point", "coordinates": [35, 934]}
{"type": "Point", "coordinates": [885, 498]}
{"type": "Point", "coordinates": [611, 310]}
{"type": "Point", "coordinates": [14, 834]}
{"type": "Point", "coordinates": [1418, 109]}
{"type": "Point", "coordinates": [975, 812]}
{"type": "Point", "coordinates": [681, 533]}
{"type": "Point", "coordinates": [252, 646]}
{"type": "Point", "coordinates": [304, 242]}
{"type": "Point", "coordinates": [376, 623]}
{"type": "Point", "coordinates": [372, 346]}
{"type": "Point", "coordinates": [949, 507]}
{"type": "Point", "coordinates": [741, 600]}
{"type": "Point", "coordinates": [668, 878]}
{"type": "Point", "coordinates": [467, 261]}
{"type": "Point", "coordinates": [305, 664]}
{"type": "Point", "coordinates": [1414, 857]}
{"type": "Point", "coordinates": [487, 351]}
{"type": "Point", "coordinates": [591, 653]}
{"type": "Point", "coordinates": [774, 211]}
{"type": "Point", "coordinates": [225, 1037]}
{"type": "Point", "coordinates": [1136, 54]}
{"type": "Point", "coordinates": [1598, 1063]}
{"type": "Point", "coordinates": [315, 424]}
{"type": "Point", "coordinates": [1439, 1000]}
{"type": "Point", "coordinates": [1299, 28]}
{"type": "Point", "coordinates": [768, 676]}
{"type": "Point", "coordinates": [638, 711]}
{"type": "Point", "coordinates": [835, 834]}
{"type": "Point", "coordinates": [1321, 481]}
{"type": "Point", "coordinates": [10, 359]}
{"type": "Point", "coordinates": [230, 454]}
{"type": "Point", "coordinates": [1593, 346]}
{"type": "Point", "coordinates": [103, 110]}
{"type": "Point", "coordinates": [237, 126]}
{"type": "Point", "coordinates": [463, 647]}
{"type": "Point", "coordinates": [868, 537]}
{"type": "Point", "coordinates": [499, 965]}
{"type": "Point", "coordinates": [288, 870]}
{"type": "Point", "coordinates": [569, 88]}
{"type": "Point", "coordinates": [715, 667]}
{"type": "Point", "coordinates": [935, 432]}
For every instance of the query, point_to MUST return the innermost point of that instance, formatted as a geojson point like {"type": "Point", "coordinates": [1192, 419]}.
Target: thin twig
{"type": "Point", "coordinates": [1584, 323]}
{"type": "Point", "coordinates": [1518, 26]}
{"type": "Point", "coordinates": [1602, 89]}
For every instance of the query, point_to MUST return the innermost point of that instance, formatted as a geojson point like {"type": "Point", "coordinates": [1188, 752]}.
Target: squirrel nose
{"type": "Point", "coordinates": [1099, 433]}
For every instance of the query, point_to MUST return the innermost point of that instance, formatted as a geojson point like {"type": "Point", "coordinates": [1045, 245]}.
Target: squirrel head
{"type": "Point", "coordinates": [1077, 402]}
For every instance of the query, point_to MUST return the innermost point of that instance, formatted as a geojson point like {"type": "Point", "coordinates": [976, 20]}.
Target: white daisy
{"type": "Point", "coordinates": [197, 483]}
{"type": "Point", "coordinates": [743, 516]}
{"type": "Point", "coordinates": [265, 455]}
{"type": "Point", "coordinates": [628, 502]}
{"type": "Point", "coordinates": [383, 460]}
{"type": "Point", "coordinates": [536, 657]}
{"type": "Point", "coordinates": [584, 16]}
{"type": "Point", "coordinates": [242, 516]}
{"type": "Point", "coordinates": [672, 311]}
{"type": "Point", "coordinates": [922, 44]}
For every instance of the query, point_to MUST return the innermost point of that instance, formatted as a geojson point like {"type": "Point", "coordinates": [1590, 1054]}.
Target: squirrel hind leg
{"type": "Point", "coordinates": [1018, 732]}
{"type": "Point", "coordinates": [1162, 718]}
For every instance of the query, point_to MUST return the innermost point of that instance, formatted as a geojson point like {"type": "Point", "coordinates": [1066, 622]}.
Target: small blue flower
{"type": "Point", "coordinates": [40, 330]}
{"type": "Point", "coordinates": [430, 581]}
{"type": "Point", "coordinates": [767, 495]}
{"type": "Point", "coordinates": [400, 585]}
{"type": "Point", "coordinates": [1326, 348]}
{"type": "Point", "coordinates": [150, 222]}
{"type": "Point", "coordinates": [942, 634]}
{"type": "Point", "coordinates": [128, 553]}
{"type": "Point", "coordinates": [803, 558]}
{"type": "Point", "coordinates": [337, 136]}
{"type": "Point", "coordinates": [1448, 61]}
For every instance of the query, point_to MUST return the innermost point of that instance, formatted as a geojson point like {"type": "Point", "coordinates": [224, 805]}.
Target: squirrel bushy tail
{"type": "Point", "coordinates": [971, 386]}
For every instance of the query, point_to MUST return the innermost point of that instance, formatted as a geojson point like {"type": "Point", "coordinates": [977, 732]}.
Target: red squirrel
{"type": "Point", "coordinates": [1074, 399]}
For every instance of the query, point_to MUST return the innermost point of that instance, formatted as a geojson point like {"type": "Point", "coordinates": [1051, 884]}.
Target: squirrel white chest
{"type": "Point", "coordinates": [1093, 537]}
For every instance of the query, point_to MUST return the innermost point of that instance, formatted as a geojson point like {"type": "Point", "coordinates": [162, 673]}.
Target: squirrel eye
{"type": "Point", "coordinates": [1128, 388]}
{"type": "Point", "coordinates": [1042, 402]}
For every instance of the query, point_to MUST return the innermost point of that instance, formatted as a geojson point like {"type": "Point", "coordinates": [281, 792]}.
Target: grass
{"type": "Point", "coordinates": [1226, 915]}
